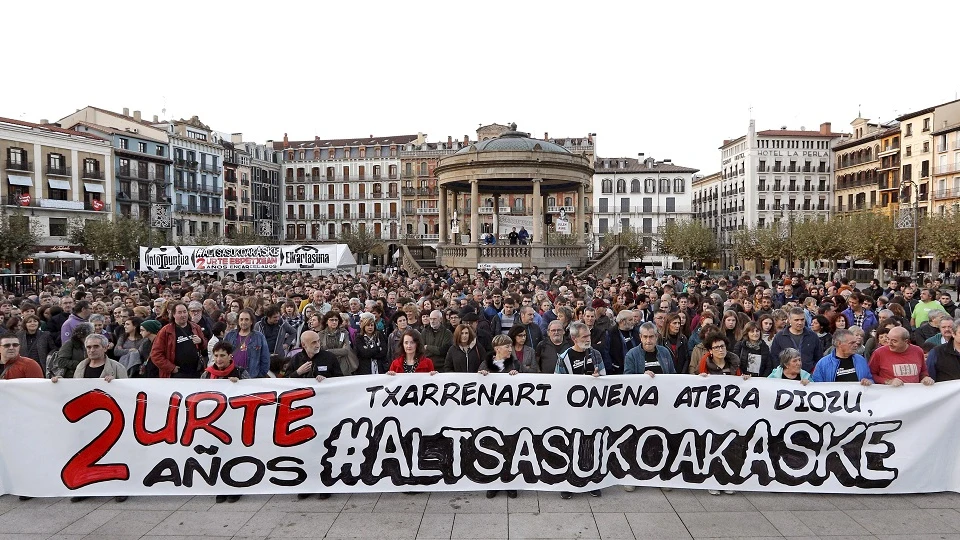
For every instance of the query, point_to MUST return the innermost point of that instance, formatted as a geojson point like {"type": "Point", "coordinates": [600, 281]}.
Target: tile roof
{"type": "Point", "coordinates": [797, 133]}
{"type": "Point", "coordinates": [634, 165]}
{"type": "Point", "coordinates": [50, 127]}
{"type": "Point", "coordinates": [130, 118]}
{"type": "Point", "coordinates": [359, 141]}
{"type": "Point", "coordinates": [118, 131]}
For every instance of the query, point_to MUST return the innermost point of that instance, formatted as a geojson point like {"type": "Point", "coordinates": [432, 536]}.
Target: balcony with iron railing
{"type": "Point", "coordinates": [947, 168]}
{"type": "Point", "coordinates": [22, 166]}
{"type": "Point", "coordinates": [95, 174]}
{"type": "Point", "coordinates": [212, 169]}
{"type": "Point", "coordinates": [428, 211]}
{"type": "Point", "coordinates": [889, 148]}
{"type": "Point", "coordinates": [186, 164]}
{"type": "Point", "coordinates": [949, 193]}
{"type": "Point", "coordinates": [489, 210]}
{"type": "Point", "coordinates": [58, 170]}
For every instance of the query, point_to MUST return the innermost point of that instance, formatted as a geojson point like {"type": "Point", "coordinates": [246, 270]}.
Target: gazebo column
{"type": "Point", "coordinates": [537, 237]}
{"type": "Point", "coordinates": [474, 211]}
{"type": "Point", "coordinates": [444, 220]}
{"type": "Point", "coordinates": [578, 209]}
{"type": "Point", "coordinates": [496, 216]}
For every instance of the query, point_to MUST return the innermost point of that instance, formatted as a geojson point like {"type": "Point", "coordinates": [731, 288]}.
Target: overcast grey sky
{"type": "Point", "coordinates": [671, 80]}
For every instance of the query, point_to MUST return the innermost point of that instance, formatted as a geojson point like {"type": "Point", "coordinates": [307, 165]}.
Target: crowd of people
{"type": "Point", "coordinates": [449, 321]}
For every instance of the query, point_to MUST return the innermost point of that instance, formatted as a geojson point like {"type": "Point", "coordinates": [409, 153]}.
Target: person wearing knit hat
{"type": "Point", "coordinates": [148, 330]}
{"type": "Point", "coordinates": [151, 326]}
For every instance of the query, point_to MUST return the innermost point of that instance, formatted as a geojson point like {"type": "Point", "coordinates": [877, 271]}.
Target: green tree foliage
{"type": "Point", "coordinates": [941, 236]}
{"type": "Point", "coordinates": [19, 237]}
{"type": "Point", "coordinates": [689, 240]}
{"type": "Point", "coordinates": [629, 238]}
{"type": "Point", "coordinates": [114, 240]}
{"type": "Point", "coordinates": [872, 236]}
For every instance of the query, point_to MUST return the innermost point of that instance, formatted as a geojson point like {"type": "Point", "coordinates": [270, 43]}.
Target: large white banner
{"type": "Point", "coordinates": [263, 258]}
{"type": "Point", "coordinates": [466, 432]}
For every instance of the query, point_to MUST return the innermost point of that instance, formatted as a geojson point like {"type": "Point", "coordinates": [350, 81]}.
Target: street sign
{"type": "Point", "coordinates": [905, 219]}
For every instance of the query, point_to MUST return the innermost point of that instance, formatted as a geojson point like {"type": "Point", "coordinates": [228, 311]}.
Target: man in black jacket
{"type": "Point", "coordinates": [312, 361]}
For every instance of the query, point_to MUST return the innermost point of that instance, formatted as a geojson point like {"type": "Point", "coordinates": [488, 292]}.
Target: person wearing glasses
{"type": "Point", "coordinates": [580, 359]}
{"type": "Point", "coordinates": [719, 361]}
{"type": "Point", "coordinates": [16, 366]}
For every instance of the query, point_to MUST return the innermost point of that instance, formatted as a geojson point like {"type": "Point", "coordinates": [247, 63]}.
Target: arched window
{"type": "Point", "coordinates": [678, 186]}
{"type": "Point", "coordinates": [518, 204]}
{"type": "Point", "coordinates": [490, 201]}
{"type": "Point", "coordinates": [649, 186]}
{"type": "Point", "coordinates": [568, 201]}
{"type": "Point", "coordinates": [621, 186]}
{"type": "Point", "coordinates": [552, 201]}
{"type": "Point", "coordinates": [607, 185]}
{"type": "Point", "coordinates": [664, 185]}
{"type": "Point", "coordinates": [635, 186]}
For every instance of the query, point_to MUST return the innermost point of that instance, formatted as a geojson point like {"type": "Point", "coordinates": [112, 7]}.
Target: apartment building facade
{"type": "Point", "coordinates": [265, 194]}
{"type": "Point", "coordinates": [859, 164]}
{"type": "Point", "coordinates": [774, 175]}
{"type": "Point", "coordinates": [642, 195]}
{"type": "Point", "coordinates": [238, 211]}
{"type": "Point", "coordinates": [142, 162]}
{"type": "Point", "coordinates": [198, 179]}
{"type": "Point", "coordinates": [53, 176]}
{"type": "Point", "coordinates": [335, 186]}
{"type": "Point", "coordinates": [419, 195]}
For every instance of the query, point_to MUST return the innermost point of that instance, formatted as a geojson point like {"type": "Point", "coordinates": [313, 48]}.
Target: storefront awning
{"type": "Point", "coordinates": [18, 180]}
{"type": "Point", "coordinates": [59, 184]}
{"type": "Point", "coordinates": [92, 187]}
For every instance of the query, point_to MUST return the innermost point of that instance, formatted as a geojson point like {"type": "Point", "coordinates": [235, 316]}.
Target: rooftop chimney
{"type": "Point", "coordinates": [420, 138]}
{"type": "Point", "coordinates": [236, 138]}
{"type": "Point", "coordinates": [546, 136]}
{"type": "Point", "coordinates": [286, 141]}
{"type": "Point", "coordinates": [825, 128]}
{"type": "Point", "coordinates": [136, 115]}
{"type": "Point", "coordinates": [449, 141]}
{"type": "Point", "coordinates": [44, 121]}
{"type": "Point", "coordinates": [156, 119]}
{"type": "Point", "coordinates": [126, 111]}
{"type": "Point", "coordinates": [466, 140]}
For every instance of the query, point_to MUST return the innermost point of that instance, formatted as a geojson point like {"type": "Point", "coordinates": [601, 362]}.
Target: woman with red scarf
{"type": "Point", "coordinates": [224, 368]}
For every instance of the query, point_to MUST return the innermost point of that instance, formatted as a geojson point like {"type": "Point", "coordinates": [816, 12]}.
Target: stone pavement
{"type": "Point", "coordinates": [645, 513]}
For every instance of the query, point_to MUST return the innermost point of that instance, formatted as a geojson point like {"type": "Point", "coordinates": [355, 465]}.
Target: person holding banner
{"type": "Point", "coordinates": [790, 368]}
{"type": "Point", "coordinates": [411, 358]}
{"type": "Point", "coordinates": [843, 364]}
{"type": "Point", "coordinates": [223, 366]}
{"type": "Point", "coordinates": [502, 361]}
{"type": "Point", "coordinates": [580, 359]}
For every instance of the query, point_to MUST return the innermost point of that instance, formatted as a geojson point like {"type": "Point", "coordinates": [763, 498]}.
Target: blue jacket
{"type": "Point", "coordinates": [635, 361]}
{"type": "Point", "coordinates": [258, 352]}
{"type": "Point", "coordinates": [810, 347]}
{"type": "Point", "coordinates": [826, 370]}
{"type": "Point", "coordinates": [869, 319]}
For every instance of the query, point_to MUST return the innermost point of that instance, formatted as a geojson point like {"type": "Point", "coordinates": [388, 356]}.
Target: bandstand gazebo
{"type": "Point", "coordinates": [513, 163]}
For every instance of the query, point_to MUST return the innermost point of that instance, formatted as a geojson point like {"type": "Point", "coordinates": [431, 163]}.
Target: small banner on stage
{"type": "Point", "coordinates": [470, 432]}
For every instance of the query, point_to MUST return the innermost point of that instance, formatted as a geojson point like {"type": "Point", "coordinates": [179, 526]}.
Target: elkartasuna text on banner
{"type": "Point", "coordinates": [468, 432]}
{"type": "Point", "coordinates": [253, 257]}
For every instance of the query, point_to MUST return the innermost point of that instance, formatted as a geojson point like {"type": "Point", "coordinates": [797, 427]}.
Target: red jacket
{"type": "Point", "coordinates": [23, 368]}
{"type": "Point", "coordinates": [164, 351]}
{"type": "Point", "coordinates": [425, 365]}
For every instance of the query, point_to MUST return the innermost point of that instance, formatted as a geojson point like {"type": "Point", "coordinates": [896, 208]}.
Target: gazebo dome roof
{"type": "Point", "coordinates": [514, 141]}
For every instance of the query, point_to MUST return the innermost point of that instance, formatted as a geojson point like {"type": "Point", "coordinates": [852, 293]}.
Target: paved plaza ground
{"type": "Point", "coordinates": [645, 513]}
